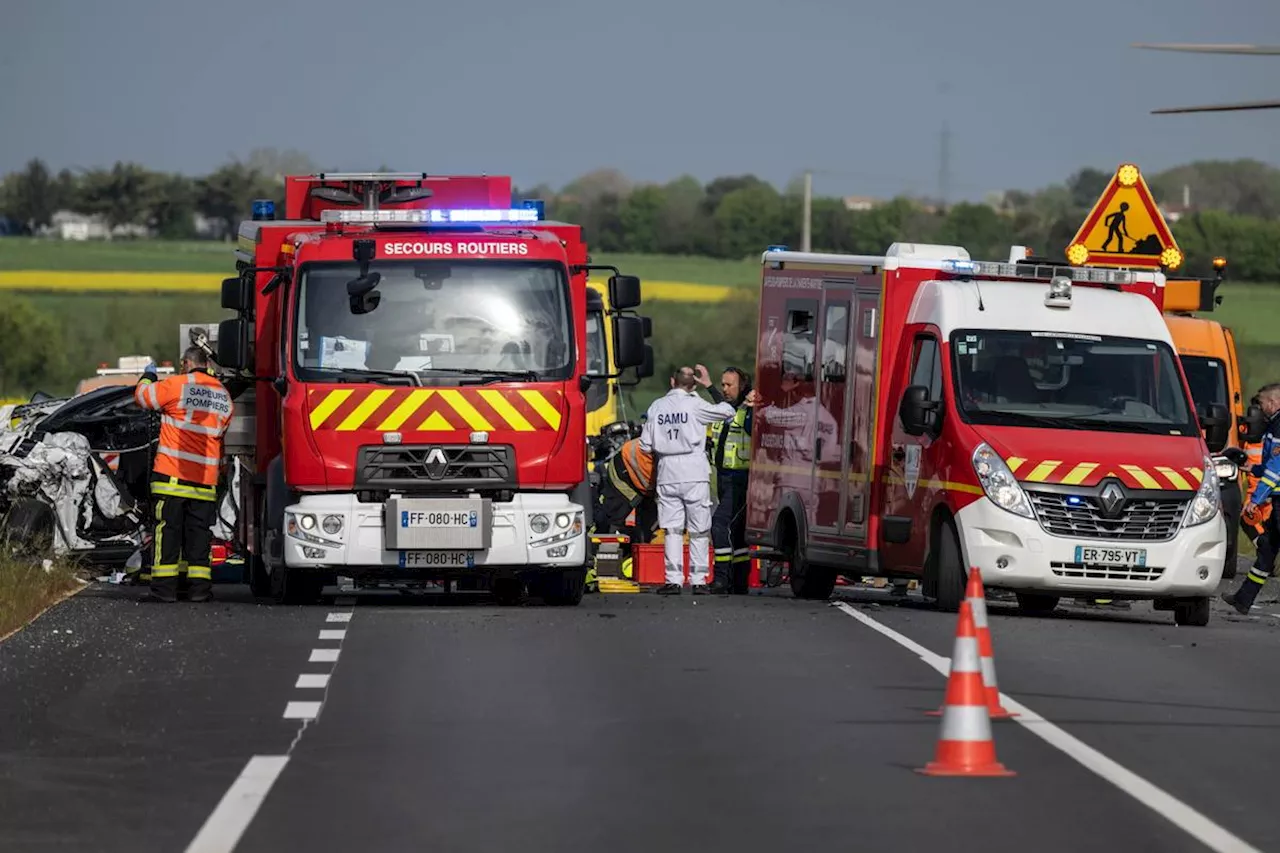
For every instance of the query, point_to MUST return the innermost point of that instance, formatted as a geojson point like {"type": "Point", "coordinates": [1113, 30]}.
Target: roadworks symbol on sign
{"type": "Point", "coordinates": [1125, 228]}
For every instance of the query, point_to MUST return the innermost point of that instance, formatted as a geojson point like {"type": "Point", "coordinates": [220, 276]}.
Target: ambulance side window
{"type": "Point", "coordinates": [798, 341]}
{"type": "Point", "coordinates": [926, 366]}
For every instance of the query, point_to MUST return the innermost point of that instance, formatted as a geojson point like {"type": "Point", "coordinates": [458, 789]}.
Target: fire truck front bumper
{"type": "Point", "coordinates": [533, 530]}
{"type": "Point", "coordinates": [1017, 553]}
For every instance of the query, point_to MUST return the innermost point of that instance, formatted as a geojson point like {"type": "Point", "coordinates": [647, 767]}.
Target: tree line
{"type": "Point", "coordinates": [1234, 210]}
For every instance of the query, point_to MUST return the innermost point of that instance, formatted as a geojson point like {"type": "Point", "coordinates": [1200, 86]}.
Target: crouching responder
{"type": "Point", "coordinates": [1265, 493]}
{"type": "Point", "coordinates": [195, 411]}
{"type": "Point", "coordinates": [729, 446]}
{"type": "Point", "coordinates": [628, 485]}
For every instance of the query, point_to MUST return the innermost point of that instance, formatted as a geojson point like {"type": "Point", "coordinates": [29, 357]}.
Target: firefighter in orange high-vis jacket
{"type": "Point", "coordinates": [195, 410]}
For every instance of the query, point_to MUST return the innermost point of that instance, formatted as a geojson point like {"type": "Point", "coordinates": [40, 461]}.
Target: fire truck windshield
{"type": "Point", "coordinates": [1069, 381]}
{"type": "Point", "coordinates": [436, 318]}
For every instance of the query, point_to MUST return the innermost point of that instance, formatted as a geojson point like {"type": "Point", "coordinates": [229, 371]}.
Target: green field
{"type": "Point", "coordinates": [211, 257]}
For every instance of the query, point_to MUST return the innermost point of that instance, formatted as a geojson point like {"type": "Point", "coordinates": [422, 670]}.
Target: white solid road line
{"type": "Point", "coordinates": [1175, 811]}
{"type": "Point", "coordinates": [222, 831]}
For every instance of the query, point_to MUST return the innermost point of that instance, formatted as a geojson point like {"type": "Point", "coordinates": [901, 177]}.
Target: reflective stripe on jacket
{"type": "Point", "coordinates": [195, 411]}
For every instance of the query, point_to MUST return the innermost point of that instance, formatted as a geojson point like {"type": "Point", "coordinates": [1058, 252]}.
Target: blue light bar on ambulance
{"type": "Point", "coordinates": [430, 217]}
{"type": "Point", "coordinates": [997, 269]}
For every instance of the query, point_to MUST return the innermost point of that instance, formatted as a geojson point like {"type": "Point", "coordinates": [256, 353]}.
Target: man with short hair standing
{"type": "Point", "coordinates": [195, 411]}
{"type": "Point", "coordinates": [675, 433]}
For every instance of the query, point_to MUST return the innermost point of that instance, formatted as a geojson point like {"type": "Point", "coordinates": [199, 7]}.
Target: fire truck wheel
{"type": "Point", "coordinates": [259, 577]}
{"type": "Point", "coordinates": [948, 572]}
{"type": "Point", "coordinates": [507, 591]}
{"type": "Point", "coordinates": [291, 586]}
{"type": "Point", "coordinates": [562, 589]}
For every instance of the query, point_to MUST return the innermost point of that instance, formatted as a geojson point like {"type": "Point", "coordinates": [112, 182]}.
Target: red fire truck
{"type": "Point", "coordinates": [410, 363]}
{"type": "Point", "coordinates": [922, 412]}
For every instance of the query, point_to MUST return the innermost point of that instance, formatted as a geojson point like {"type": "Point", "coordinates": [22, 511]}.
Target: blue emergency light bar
{"type": "Point", "coordinates": [433, 217]}
{"type": "Point", "coordinates": [263, 209]}
{"type": "Point", "coordinates": [1000, 269]}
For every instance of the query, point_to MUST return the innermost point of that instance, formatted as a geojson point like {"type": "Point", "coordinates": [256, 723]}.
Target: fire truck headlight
{"type": "Point", "coordinates": [563, 520]}
{"type": "Point", "coordinates": [998, 482]}
{"type": "Point", "coordinates": [332, 524]}
{"type": "Point", "coordinates": [1205, 505]}
{"type": "Point", "coordinates": [1225, 468]}
{"type": "Point", "coordinates": [539, 524]}
{"type": "Point", "coordinates": [307, 522]}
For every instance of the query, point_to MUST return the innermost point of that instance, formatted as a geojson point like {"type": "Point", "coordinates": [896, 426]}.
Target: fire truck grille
{"type": "Point", "coordinates": [1145, 519]}
{"type": "Point", "coordinates": [442, 467]}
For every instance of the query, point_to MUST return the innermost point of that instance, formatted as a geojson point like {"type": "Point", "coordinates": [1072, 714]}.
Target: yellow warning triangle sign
{"type": "Point", "coordinates": [1125, 228]}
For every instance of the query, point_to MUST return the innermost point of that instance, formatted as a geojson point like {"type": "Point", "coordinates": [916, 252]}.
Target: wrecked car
{"type": "Point", "coordinates": [75, 472]}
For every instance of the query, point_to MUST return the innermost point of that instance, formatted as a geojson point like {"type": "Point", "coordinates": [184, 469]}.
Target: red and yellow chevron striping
{"type": "Point", "coordinates": [434, 409]}
{"type": "Point", "coordinates": [1089, 473]}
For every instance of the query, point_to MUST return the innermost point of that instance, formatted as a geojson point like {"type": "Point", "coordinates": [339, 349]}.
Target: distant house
{"type": "Point", "coordinates": [69, 225]}
{"type": "Point", "coordinates": [861, 202]}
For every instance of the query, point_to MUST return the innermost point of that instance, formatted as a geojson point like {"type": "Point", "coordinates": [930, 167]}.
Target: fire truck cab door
{"type": "Point", "coordinates": [913, 463]}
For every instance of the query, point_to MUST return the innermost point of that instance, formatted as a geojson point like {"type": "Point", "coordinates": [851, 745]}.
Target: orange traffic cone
{"type": "Point", "coordinates": [965, 747]}
{"type": "Point", "coordinates": [977, 599]}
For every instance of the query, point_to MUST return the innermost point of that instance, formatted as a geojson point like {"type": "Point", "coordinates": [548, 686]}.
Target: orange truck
{"type": "Point", "coordinates": [1207, 350]}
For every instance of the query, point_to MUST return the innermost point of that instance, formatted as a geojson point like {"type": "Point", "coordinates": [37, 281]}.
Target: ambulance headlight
{"type": "Point", "coordinates": [998, 482]}
{"type": "Point", "coordinates": [1225, 468]}
{"type": "Point", "coordinates": [1207, 502]}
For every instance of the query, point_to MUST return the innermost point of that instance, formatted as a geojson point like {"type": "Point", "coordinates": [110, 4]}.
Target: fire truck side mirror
{"type": "Point", "coordinates": [233, 344]}
{"type": "Point", "coordinates": [628, 342]}
{"type": "Point", "coordinates": [237, 294]}
{"type": "Point", "coordinates": [624, 292]}
{"type": "Point", "coordinates": [919, 414]}
{"type": "Point", "coordinates": [647, 324]}
{"type": "Point", "coordinates": [1215, 419]}
{"type": "Point", "coordinates": [645, 368]}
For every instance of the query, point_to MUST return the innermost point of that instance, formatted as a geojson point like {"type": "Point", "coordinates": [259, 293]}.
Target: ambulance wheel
{"type": "Point", "coordinates": [1193, 612]}
{"type": "Point", "coordinates": [1037, 604]}
{"type": "Point", "coordinates": [810, 582]}
{"type": "Point", "coordinates": [1233, 557]}
{"type": "Point", "coordinates": [948, 574]}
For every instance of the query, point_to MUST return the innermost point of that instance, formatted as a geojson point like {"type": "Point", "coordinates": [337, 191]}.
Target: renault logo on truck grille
{"type": "Point", "coordinates": [436, 463]}
{"type": "Point", "coordinates": [1111, 499]}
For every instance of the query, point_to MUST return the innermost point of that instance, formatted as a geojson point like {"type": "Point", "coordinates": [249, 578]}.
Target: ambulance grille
{"type": "Point", "coordinates": [1092, 572]}
{"type": "Point", "coordinates": [436, 467]}
{"type": "Point", "coordinates": [1142, 519]}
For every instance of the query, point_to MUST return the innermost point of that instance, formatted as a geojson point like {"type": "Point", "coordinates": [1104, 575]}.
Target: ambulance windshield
{"type": "Point", "coordinates": [1069, 381]}
{"type": "Point", "coordinates": [436, 318]}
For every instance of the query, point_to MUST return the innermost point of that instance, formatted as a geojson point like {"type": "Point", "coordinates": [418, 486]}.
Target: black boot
{"type": "Point", "coordinates": [670, 589]}
{"type": "Point", "coordinates": [1242, 599]}
{"type": "Point", "coordinates": [164, 590]}
{"type": "Point", "coordinates": [201, 591]}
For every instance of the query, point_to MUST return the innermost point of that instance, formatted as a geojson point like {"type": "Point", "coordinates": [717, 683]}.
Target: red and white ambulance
{"type": "Point", "coordinates": [923, 412]}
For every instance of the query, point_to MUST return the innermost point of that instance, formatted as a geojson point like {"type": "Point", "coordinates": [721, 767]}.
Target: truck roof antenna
{"type": "Point", "coordinates": [978, 288]}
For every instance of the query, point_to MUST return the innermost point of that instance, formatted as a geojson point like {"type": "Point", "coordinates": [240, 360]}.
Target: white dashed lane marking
{"type": "Point", "coordinates": [228, 822]}
{"type": "Point", "coordinates": [1161, 802]}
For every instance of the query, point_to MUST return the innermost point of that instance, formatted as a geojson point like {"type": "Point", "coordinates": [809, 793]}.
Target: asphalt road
{"type": "Point", "coordinates": [629, 723]}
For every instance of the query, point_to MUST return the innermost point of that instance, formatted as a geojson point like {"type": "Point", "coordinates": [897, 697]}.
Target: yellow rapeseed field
{"type": "Point", "coordinates": [69, 281]}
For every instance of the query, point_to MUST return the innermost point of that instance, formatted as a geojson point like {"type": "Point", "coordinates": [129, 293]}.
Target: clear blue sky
{"type": "Point", "coordinates": [548, 89]}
